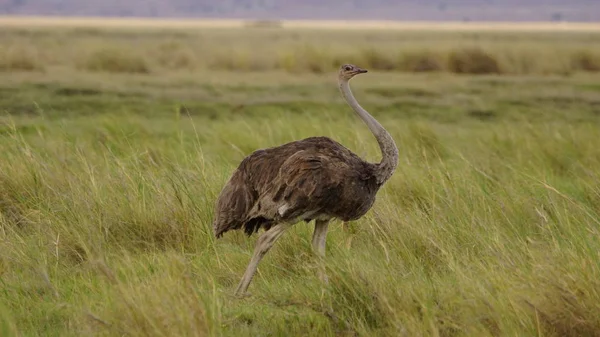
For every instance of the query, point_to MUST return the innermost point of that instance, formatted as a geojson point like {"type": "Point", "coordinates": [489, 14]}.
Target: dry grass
{"type": "Point", "coordinates": [117, 60]}
{"type": "Point", "coordinates": [421, 61]}
{"type": "Point", "coordinates": [19, 57]}
{"type": "Point", "coordinates": [472, 61]}
{"type": "Point", "coordinates": [140, 23]}
{"type": "Point", "coordinates": [298, 50]}
{"type": "Point", "coordinates": [586, 61]}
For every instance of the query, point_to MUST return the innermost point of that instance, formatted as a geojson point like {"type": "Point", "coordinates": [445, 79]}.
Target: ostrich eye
{"type": "Point", "coordinates": [347, 68]}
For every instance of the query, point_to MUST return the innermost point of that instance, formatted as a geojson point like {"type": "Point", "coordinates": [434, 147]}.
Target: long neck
{"type": "Point", "coordinates": [389, 151]}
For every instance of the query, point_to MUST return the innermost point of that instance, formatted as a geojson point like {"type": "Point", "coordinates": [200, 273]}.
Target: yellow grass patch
{"type": "Point", "coordinates": [105, 22]}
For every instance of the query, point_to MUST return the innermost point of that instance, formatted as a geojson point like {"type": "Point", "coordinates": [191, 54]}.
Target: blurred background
{"type": "Point", "coordinates": [467, 36]}
{"type": "Point", "coordinates": [431, 10]}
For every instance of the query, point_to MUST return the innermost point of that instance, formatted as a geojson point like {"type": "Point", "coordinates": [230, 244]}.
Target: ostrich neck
{"type": "Point", "coordinates": [389, 151]}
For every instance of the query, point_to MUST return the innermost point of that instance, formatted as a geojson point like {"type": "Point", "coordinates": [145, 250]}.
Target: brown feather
{"type": "Point", "coordinates": [303, 180]}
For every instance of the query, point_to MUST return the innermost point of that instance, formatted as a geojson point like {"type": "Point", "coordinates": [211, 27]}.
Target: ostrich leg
{"type": "Point", "coordinates": [318, 244]}
{"type": "Point", "coordinates": [263, 244]}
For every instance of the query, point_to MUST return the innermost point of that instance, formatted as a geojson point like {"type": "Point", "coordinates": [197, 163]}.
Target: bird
{"type": "Point", "coordinates": [313, 179]}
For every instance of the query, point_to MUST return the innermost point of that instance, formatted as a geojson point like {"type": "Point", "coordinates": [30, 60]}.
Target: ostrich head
{"type": "Point", "coordinates": [347, 71]}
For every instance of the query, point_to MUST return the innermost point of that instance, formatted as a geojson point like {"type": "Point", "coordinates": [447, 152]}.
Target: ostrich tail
{"type": "Point", "coordinates": [232, 206]}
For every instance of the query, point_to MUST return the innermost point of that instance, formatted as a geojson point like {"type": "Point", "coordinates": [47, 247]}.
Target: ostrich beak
{"type": "Point", "coordinates": [361, 71]}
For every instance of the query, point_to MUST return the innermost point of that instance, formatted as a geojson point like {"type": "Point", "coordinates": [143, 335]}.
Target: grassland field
{"type": "Point", "coordinates": [115, 142]}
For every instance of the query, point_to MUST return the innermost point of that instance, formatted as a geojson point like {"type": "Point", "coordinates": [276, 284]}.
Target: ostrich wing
{"type": "Point", "coordinates": [308, 184]}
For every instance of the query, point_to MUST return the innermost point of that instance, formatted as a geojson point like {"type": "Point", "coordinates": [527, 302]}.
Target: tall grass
{"type": "Point", "coordinates": [295, 51]}
{"type": "Point", "coordinates": [20, 57]}
{"type": "Point", "coordinates": [489, 227]}
{"type": "Point", "coordinates": [115, 60]}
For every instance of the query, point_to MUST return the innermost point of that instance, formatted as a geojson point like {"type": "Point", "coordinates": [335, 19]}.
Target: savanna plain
{"type": "Point", "coordinates": [115, 142]}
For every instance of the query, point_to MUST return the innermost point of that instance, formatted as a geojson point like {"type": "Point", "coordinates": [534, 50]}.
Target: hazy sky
{"type": "Point", "coordinates": [457, 10]}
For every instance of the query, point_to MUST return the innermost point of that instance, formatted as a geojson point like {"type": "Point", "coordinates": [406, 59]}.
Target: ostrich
{"type": "Point", "coordinates": [311, 179]}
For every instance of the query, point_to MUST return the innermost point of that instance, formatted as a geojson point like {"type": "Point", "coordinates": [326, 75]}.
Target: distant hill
{"type": "Point", "coordinates": [435, 10]}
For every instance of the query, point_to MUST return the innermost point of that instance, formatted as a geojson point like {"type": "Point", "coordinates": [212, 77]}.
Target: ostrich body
{"type": "Point", "coordinates": [315, 178]}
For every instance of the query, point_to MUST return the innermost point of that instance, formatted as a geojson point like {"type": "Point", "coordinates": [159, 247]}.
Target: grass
{"type": "Point", "coordinates": [115, 61]}
{"type": "Point", "coordinates": [489, 227]}
{"type": "Point", "coordinates": [19, 59]}
{"type": "Point", "coordinates": [183, 23]}
{"type": "Point", "coordinates": [297, 50]}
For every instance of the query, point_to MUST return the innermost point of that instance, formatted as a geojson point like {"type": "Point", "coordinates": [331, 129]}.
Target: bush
{"type": "Point", "coordinates": [585, 61]}
{"type": "Point", "coordinates": [306, 59]}
{"type": "Point", "coordinates": [14, 59]}
{"type": "Point", "coordinates": [238, 61]}
{"type": "Point", "coordinates": [420, 61]}
{"type": "Point", "coordinates": [377, 60]}
{"type": "Point", "coordinates": [116, 61]}
{"type": "Point", "coordinates": [472, 61]}
{"type": "Point", "coordinates": [175, 56]}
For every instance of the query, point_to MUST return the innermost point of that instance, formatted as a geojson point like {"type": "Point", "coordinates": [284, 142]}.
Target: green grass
{"type": "Point", "coordinates": [489, 227]}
